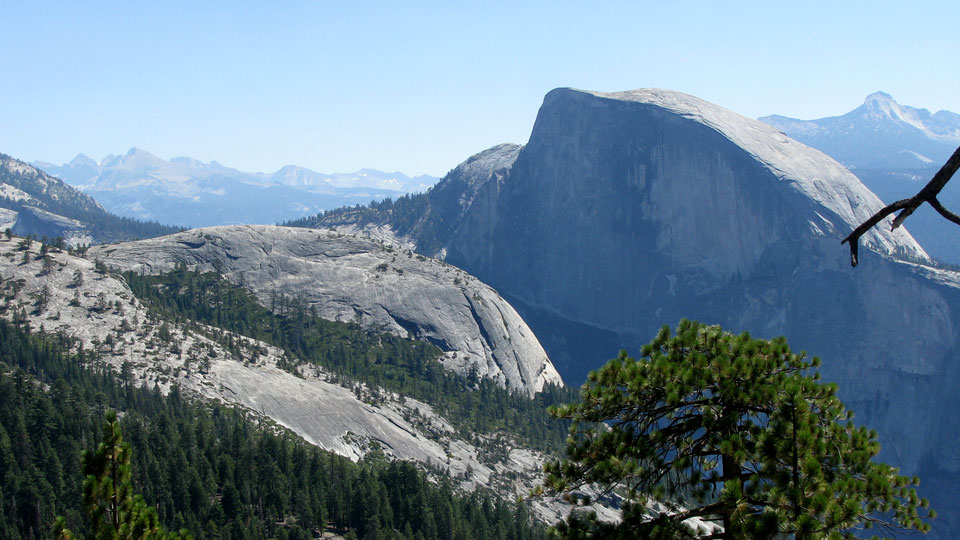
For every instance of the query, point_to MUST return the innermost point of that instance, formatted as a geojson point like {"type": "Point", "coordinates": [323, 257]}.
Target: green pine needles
{"type": "Point", "coordinates": [114, 511]}
{"type": "Point", "coordinates": [737, 432]}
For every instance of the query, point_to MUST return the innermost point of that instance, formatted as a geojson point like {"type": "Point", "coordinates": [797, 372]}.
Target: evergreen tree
{"type": "Point", "coordinates": [729, 429]}
{"type": "Point", "coordinates": [114, 511]}
{"type": "Point", "coordinates": [77, 279]}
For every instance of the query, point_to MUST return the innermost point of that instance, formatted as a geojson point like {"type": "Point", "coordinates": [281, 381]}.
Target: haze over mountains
{"type": "Point", "coordinates": [895, 150]}
{"type": "Point", "coordinates": [35, 203]}
{"type": "Point", "coordinates": [880, 134]}
{"type": "Point", "coordinates": [186, 192]}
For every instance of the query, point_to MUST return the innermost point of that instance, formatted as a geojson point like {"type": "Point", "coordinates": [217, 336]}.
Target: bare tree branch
{"type": "Point", "coordinates": [935, 203]}
{"type": "Point", "coordinates": [907, 206]}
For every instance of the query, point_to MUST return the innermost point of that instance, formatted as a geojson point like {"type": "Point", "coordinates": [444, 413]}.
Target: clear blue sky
{"type": "Point", "coordinates": [417, 86]}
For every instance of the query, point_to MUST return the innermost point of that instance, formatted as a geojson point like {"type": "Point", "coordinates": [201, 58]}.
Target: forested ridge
{"type": "Point", "coordinates": [413, 215]}
{"type": "Point", "coordinates": [106, 227]}
{"type": "Point", "coordinates": [402, 213]}
{"type": "Point", "coordinates": [381, 360]}
{"type": "Point", "coordinates": [211, 469]}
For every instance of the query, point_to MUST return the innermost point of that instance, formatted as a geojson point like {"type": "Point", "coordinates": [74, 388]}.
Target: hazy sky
{"type": "Point", "coordinates": [336, 86]}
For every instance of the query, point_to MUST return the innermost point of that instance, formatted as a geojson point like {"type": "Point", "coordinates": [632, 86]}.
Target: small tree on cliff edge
{"type": "Point", "coordinates": [732, 430]}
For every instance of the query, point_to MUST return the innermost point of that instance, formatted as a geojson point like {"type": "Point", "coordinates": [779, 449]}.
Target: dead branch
{"type": "Point", "coordinates": [907, 206]}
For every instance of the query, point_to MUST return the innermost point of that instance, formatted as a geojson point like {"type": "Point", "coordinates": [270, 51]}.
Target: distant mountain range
{"type": "Point", "coordinates": [880, 134]}
{"type": "Point", "coordinates": [894, 149]}
{"type": "Point", "coordinates": [35, 203]}
{"type": "Point", "coordinates": [187, 192]}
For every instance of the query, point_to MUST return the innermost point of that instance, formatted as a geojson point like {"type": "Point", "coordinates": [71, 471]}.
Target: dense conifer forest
{"type": "Point", "coordinates": [213, 470]}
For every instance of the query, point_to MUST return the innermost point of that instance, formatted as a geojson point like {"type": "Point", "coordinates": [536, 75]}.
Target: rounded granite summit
{"type": "Point", "coordinates": [349, 278]}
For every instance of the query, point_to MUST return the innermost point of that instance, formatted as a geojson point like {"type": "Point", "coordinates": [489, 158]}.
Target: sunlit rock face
{"type": "Point", "coordinates": [349, 278]}
{"type": "Point", "coordinates": [628, 211]}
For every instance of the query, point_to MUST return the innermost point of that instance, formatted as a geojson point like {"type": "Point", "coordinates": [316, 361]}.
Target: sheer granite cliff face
{"type": "Point", "coordinates": [614, 193]}
{"type": "Point", "coordinates": [350, 278]}
{"type": "Point", "coordinates": [628, 211]}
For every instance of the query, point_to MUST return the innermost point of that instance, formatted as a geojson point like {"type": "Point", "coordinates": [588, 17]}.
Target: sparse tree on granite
{"type": "Point", "coordinates": [77, 279]}
{"type": "Point", "coordinates": [730, 429]}
{"type": "Point", "coordinates": [102, 304]}
{"type": "Point", "coordinates": [47, 265]}
{"type": "Point", "coordinates": [43, 298]}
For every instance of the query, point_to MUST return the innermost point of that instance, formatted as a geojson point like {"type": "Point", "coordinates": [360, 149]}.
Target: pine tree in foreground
{"type": "Point", "coordinates": [114, 511]}
{"type": "Point", "coordinates": [735, 431]}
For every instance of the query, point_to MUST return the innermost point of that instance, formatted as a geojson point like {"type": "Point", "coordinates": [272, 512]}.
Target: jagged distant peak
{"type": "Point", "coordinates": [295, 169]}
{"type": "Point", "coordinates": [294, 175]}
{"type": "Point", "coordinates": [139, 156]}
{"type": "Point", "coordinates": [139, 160]}
{"type": "Point", "coordinates": [366, 171]}
{"type": "Point", "coordinates": [142, 185]}
{"type": "Point", "coordinates": [879, 96]}
{"type": "Point", "coordinates": [882, 105]}
{"type": "Point", "coordinates": [82, 159]}
{"type": "Point", "coordinates": [883, 102]}
{"type": "Point", "coordinates": [297, 175]}
{"type": "Point", "coordinates": [135, 152]}
{"type": "Point", "coordinates": [880, 133]}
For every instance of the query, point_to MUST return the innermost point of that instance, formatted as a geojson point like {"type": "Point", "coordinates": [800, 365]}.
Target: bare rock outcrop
{"type": "Point", "coordinates": [349, 278]}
